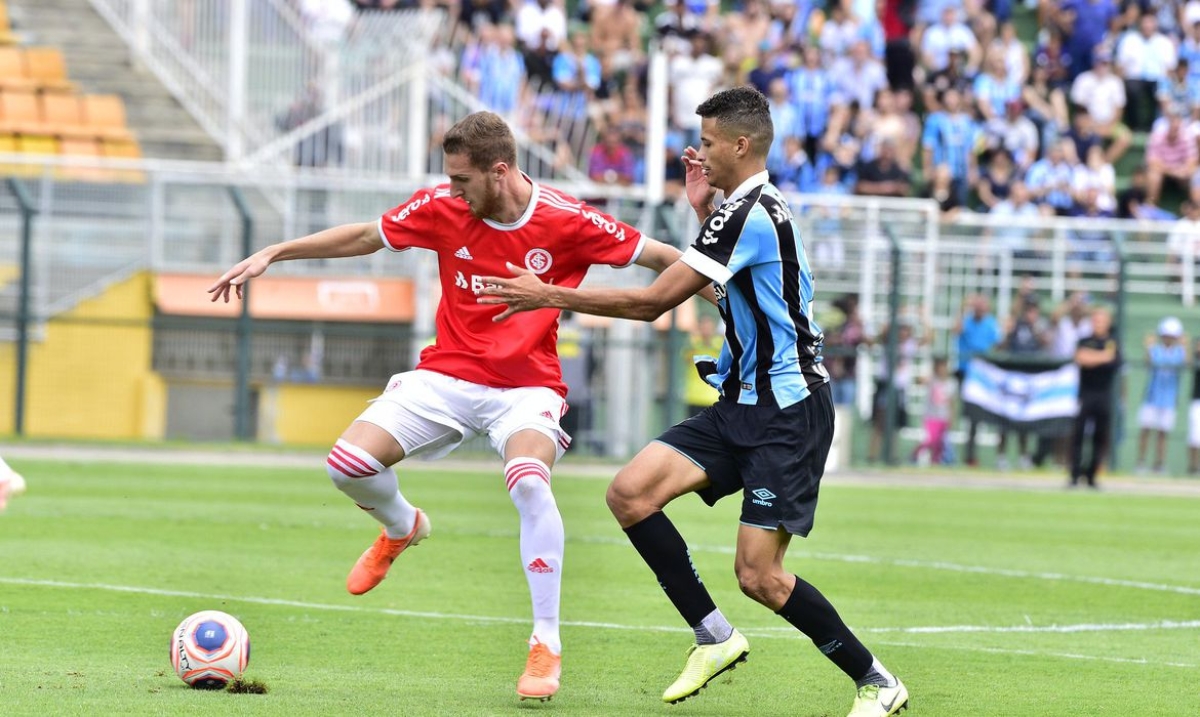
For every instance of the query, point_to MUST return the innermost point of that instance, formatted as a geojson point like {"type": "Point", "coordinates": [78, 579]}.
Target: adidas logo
{"type": "Point", "coordinates": [547, 415]}
{"type": "Point", "coordinates": [464, 253]}
{"type": "Point", "coordinates": [537, 565]}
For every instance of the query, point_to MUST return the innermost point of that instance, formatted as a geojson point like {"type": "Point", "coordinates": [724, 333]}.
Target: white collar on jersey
{"type": "Point", "coordinates": [753, 182]}
{"type": "Point", "coordinates": [533, 200]}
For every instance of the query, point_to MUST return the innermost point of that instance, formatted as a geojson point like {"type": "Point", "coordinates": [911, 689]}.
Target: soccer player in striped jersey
{"type": "Point", "coordinates": [479, 377]}
{"type": "Point", "coordinates": [767, 437]}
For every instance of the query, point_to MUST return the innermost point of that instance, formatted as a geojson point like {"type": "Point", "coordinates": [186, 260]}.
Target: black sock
{"type": "Point", "coordinates": [663, 549]}
{"type": "Point", "coordinates": [809, 612]}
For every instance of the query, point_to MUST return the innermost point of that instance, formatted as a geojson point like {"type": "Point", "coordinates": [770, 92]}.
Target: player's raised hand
{"type": "Point", "coordinates": [523, 291]}
{"type": "Point", "coordinates": [700, 193]}
{"type": "Point", "coordinates": [243, 271]}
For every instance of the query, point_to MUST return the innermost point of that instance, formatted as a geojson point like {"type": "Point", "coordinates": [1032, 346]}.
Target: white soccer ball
{"type": "Point", "coordinates": [209, 649]}
{"type": "Point", "coordinates": [16, 484]}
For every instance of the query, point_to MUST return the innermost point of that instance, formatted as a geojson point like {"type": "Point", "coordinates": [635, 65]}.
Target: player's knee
{"type": "Point", "coordinates": [347, 462]}
{"type": "Point", "coordinates": [528, 488]}
{"type": "Point", "coordinates": [758, 585]}
{"type": "Point", "coordinates": [625, 502]}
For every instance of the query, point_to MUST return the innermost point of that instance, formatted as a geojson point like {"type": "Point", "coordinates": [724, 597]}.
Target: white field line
{"type": "Point", "coordinates": [769, 633]}
{"type": "Point", "coordinates": [1036, 653]}
{"type": "Point", "coordinates": [928, 565]}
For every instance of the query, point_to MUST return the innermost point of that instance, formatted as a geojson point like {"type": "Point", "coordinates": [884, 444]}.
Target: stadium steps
{"type": "Point", "coordinates": [98, 62]}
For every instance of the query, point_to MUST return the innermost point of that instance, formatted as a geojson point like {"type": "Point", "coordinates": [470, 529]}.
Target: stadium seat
{"type": "Point", "coordinates": [123, 149]}
{"type": "Point", "coordinates": [37, 144]}
{"type": "Point", "coordinates": [62, 115]}
{"type": "Point", "coordinates": [82, 147]}
{"type": "Point", "coordinates": [33, 144]}
{"type": "Point", "coordinates": [105, 117]}
{"type": "Point", "coordinates": [19, 112]}
{"type": "Point", "coordinates": [12, 69]}
{"type": "Point", "coordinates": [47, 69]}
{"type": "Point", "coordinates": [8, 145]}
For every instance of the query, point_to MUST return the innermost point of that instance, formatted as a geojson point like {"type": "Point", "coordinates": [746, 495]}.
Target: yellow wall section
{"type": "Point", "coordinates": [89, 374]}
{"type": "Point", "coordinates": [310, 414]}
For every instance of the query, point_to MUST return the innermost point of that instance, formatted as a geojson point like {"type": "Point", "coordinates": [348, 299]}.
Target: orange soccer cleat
{"type": "Point", "coordinates": [372, 566]}
{"type": "Point", "coordinates": [542, 670]}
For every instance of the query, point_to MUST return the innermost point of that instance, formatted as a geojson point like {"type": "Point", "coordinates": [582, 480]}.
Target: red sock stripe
{"type": "Point", "coordinates": [339, 464]}
{"type": "Point", "coordinates": [523, 470]}
{"type": "Point", "coordinates": [353, 460]}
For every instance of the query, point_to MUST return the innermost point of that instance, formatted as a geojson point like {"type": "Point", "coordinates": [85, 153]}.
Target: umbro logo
{"type": "Point", "coordinates": [464, 253]}
{"type": "Point", "coordinates": [537, 565]}
{"type": "Point", "coordinates": [762, 496]}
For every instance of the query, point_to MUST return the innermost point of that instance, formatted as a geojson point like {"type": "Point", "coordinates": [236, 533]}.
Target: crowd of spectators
{"type": "Point", "coordinates": [868, 87]}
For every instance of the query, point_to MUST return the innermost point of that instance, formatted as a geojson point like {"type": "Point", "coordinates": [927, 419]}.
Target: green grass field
{"type": "Point", "coordinates": [986, 602]}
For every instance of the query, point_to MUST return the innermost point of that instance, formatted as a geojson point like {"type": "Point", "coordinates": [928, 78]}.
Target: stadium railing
{"type": "Point", "coordinates": [254, 75]}
{"type": "Point", "coordinates": [91, 236]}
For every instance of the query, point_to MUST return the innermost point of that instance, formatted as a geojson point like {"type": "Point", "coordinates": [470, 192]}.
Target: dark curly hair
{"type": "Point", "coordinates": [741, 112]}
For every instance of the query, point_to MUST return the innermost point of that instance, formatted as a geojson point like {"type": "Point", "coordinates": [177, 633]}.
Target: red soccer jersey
{"type": "Point", "coordinates": [558, 238]}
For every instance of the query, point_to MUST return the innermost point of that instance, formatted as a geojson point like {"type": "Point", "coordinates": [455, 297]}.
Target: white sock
{"type": "Point", "coordinates": [528, 481]}
{"type": "Point", "coordinates": [714, 628]}
{"type": "Point", "coordinates": [372, 486]}
{"type": "Point", "coordinates": [877, 675]}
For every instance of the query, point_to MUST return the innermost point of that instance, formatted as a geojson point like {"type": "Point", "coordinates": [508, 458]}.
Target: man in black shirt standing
{"type": "Point", "coordinates": [1099, 359]}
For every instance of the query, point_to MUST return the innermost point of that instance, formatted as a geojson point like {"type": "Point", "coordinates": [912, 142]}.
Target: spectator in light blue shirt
{"type": "Point", "coordinates": [1049, 179]}
{"type": "Point", "coordinates": [950, 138]}
{"type": "Point", "coordinates": [785, 118]}
{"type": "Point", "coordinates": [502, 73]}
{"type": "Point", "coordinates": [978, 332]}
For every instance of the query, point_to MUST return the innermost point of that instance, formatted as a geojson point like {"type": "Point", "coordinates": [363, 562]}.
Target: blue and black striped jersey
{"type": "Point", "coordinates": [751, 248]}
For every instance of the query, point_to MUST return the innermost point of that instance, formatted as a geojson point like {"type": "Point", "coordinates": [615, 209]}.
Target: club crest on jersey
{"type": "Point", "coordinates": [538, 261]}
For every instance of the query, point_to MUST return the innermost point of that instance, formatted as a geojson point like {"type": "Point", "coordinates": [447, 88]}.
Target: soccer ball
{"type": "Point", "coordinates": [209, 649]}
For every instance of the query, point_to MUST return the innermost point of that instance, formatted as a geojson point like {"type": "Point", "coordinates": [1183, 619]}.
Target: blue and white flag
{"type": "Point", "coordinates": [1040, 401]}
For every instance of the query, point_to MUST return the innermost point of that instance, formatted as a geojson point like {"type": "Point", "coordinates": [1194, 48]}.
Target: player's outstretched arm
{"type": "Point", "coordinates": [658, 256]}
{"type": "Point", "coordinates": [339, 241]}
{"type": "Point", "coordinates": [524, 291]}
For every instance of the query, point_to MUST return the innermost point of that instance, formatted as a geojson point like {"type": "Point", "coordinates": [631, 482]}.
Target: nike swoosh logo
{"type": "Point", "coordinates": [887, 708]}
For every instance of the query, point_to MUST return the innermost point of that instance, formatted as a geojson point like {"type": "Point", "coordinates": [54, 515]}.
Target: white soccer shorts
{"type": "Point", "coordinates": [1157, 419]}
{"type": "Point", "coordinates": [1194, 425]}
{"type": "Point", "coordinates": [430, 414]}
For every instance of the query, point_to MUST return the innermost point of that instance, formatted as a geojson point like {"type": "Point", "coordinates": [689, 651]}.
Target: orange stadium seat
{"type": "Point", "coordinates": [82, 147]}
{"type": "Point", "coordinates": [12, 69]}
{"type": "Point", "coordinates": [105, 117]}
{"type": "Point", "coordinates": [19, 111]}
{"type": "Point", "coordinates": [47, 69]}
{"type": "Point", "coordinates": [62, 114]}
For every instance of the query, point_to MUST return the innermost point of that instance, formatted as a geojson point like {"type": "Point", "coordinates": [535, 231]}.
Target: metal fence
{"type": "Point", "coordinates": [89, 237]}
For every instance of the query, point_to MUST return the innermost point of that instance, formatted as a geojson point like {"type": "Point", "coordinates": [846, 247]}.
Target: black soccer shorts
{"type": "Point", "coordinates": [774, 457]}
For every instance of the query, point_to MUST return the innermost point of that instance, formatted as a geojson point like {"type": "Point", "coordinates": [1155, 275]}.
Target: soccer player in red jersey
{"type": "Point", "coordinates": [479, 378]}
